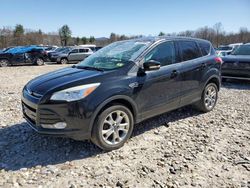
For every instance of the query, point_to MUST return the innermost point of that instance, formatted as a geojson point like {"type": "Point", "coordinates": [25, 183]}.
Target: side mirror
{"type": "Point", "coordinates": [151, 65]}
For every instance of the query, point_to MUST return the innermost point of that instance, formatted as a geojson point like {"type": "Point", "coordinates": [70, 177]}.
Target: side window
{"type": "Point", "coordinates": [189, 50]}
{"type": "Point", "coordinates": [164, 53]}
{"type": "Point", "coordinates": [205, 48]}
{"type": "Point", "coordinates": [83, 50]}
{"type": "Point", "coordinates": [74, 51]}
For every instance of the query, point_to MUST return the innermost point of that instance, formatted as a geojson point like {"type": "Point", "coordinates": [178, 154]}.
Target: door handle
{"type": "Point", "coordinates": [174, 74]}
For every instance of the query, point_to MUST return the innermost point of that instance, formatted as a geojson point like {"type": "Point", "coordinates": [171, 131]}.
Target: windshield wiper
{"type": "Point", "coordinates": [89, 68]}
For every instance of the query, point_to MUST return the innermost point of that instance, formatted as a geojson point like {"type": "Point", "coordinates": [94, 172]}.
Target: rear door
{"type": "Point", "coordinates": [83, 53]}
{"type": "Point", "coordinates": [192, 66]}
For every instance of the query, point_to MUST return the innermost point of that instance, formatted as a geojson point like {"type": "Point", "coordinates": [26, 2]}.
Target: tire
{"type": "Point", "coordinates": [4, 63]}
{"type": "Point", "coordinates": [63, 61]}
{"type": "Point", "coordinates": [110, 130]}
{"type": "Point", "coordinates": [39, 61]}
{"type": "Point", "coordinates": [208, 99]}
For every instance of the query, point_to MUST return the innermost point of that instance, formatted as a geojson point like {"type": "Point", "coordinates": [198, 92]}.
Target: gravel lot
{"type": "Point", "coordinates": [183, 148]}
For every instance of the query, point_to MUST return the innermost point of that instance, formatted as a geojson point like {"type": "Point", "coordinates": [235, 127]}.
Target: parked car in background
{"type": "Point", "coordinates": [72, 54]}
{"type": "Point", "coordinates": [23, 55]}
{"type": "Point", "coordinates": [120, 85]}
{"type": "Point", "coordinates": [57, 53]}
{"type": "Point", "coordinates": [50, 48]}
{"type": "Point", "coordinates": [226, 50]}
{"type": "Point", "coordinates": [91, 46]}
{"type": "Point", "coordinates": [237, 65]}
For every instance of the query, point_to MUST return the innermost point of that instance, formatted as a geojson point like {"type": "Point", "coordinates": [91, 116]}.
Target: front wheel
{"type": "Point", "coordinates": [64, 61]}
{"type": "Point", "coordinates": [4, 63]}
{"type": "Point", "coordinates": [208, 99]}
{"type": "Point", "coordinates": [113, 127]}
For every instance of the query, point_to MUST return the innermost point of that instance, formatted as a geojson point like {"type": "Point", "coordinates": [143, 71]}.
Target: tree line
{"type": "Point", "coordinates": [19, 36]}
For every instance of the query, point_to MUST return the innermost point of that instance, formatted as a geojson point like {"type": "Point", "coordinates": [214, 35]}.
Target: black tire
{"type": "Point", "coordinates": [64, 61]}
{"type": "Point", "coordinates": [203, 105]}
{"type": "Point", "coordinates": [98, 128]}
{"type": "Point", "coordinates": [39, 61]}
{"type": "Point", "coordinates": [4, 63]}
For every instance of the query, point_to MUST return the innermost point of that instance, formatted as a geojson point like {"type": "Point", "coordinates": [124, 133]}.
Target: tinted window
{"type": "Point", "coordinates": [225, 48]}
{"type": "Point", "coordinates": [83, 50]}
{"type": "Point", "coordinates": [205, 48]}
{"type": "Point", "coordinates": [164, 53]}
{"type": "Point", "coordinates": [189, 50]}
{"type": "Point", "coordinates": [74, 51]}
{"type": "Point", "coordinates": [242, 50]}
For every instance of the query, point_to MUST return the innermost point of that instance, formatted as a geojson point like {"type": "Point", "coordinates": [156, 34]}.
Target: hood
{"type": "Point", "coordinates": [236, 58]}
{"type": "Point", "coordinates": [61, 79]}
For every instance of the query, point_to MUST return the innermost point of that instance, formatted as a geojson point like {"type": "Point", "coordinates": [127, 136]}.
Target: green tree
{"type": "Point", "coordinates": [84, 40]}
{"type": "Point", "coordinates": [18, 31]}
{"type": "Point", "coordinates": [40, 32]}
{"type": "Point", "coordinates": [18, 34]}
{"type": "Point", "coordinates": [91, 39]}
{"type": "Point", "coordinates": [65, 34]}
{"type": "Point", "coordinates": [161, 34]}
{"type": "Point", "coordinates": [113, 37]}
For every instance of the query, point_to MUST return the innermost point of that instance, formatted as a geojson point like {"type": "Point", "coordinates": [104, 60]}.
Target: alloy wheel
{"type": "Point", "coordinates": [115, 127]}
{"type": "Point", "coordinates": [210, 96]}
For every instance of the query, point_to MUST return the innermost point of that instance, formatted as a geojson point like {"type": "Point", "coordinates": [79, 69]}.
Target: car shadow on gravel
{"type": "Point", "coordinates": [21, 147]}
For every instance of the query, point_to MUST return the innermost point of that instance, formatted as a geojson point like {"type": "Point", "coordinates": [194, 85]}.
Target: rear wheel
{"type": "Point", "coordinates": [4, 63]}
{"type": "Point", "coordinates": [208, 99]}
{"type": "Point", "coordinates": [64, 61]}
{"type": "Point", "coordinates": [39, 61]}
{"type": "Point", "coordinates": [113, 127]}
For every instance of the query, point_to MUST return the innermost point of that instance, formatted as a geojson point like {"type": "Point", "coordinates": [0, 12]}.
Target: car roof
{"type": "Point", "coordinates": [161, 38]}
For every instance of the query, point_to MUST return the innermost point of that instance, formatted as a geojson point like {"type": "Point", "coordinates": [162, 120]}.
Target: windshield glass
{"type": "Point", "coordinates": [115, 55]}
{"type": "Point", "coordinates": [242, 50]}
{"type": "Point", "coordinates": [65, 50]}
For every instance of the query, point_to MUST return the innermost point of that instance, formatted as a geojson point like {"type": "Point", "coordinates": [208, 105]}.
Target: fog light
{"type": "Point", "coordinates": [59, 125]}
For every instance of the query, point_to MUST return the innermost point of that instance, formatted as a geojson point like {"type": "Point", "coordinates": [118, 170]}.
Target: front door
{"type": "Point", "coordinates": [159, 89]}
{"type": "Point", "coordinates": [73, 55]}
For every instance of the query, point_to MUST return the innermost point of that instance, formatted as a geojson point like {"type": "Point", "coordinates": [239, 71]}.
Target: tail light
{"type": "Point", "coordinates": [218, 60]}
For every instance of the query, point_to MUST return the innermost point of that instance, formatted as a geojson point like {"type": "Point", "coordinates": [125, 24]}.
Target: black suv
{"type": "Point", "coordinates": [23, 55]}
{"type": "Point", "coordinates": [122, 84]}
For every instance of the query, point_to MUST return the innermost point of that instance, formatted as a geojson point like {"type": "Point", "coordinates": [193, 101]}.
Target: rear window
{"type": "Point", "coordinates": [189, 50]}
{"type": "Point", "coordinates": [205, 48]}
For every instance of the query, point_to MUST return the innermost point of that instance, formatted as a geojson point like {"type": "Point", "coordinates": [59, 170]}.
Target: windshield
{"type": "Point", "coordinates": [115, 55]}
{"type": "Point", "coordinates": [65, 50]}
{"type": "Point", "coordinates": [242, 50]}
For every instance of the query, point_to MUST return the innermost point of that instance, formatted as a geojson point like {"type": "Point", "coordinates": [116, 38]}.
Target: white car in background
{"type": "Point", "coordinates": [227, 50]}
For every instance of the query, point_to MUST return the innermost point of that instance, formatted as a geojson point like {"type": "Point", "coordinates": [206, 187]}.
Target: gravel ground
{"type": "Point", "coordinates": [183, 148]}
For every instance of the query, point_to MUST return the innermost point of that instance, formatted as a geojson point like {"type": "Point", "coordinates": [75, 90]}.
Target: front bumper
{"type": "Point", "coordinates": [74, 114]}
{"type": "Point", "coordinates": [53, 59]}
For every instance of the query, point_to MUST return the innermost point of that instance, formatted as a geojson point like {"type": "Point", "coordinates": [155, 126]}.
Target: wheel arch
{"type": "Point", "coordinates": [119, 99]}
{"type": "Point", "coordinates": [214, 79]}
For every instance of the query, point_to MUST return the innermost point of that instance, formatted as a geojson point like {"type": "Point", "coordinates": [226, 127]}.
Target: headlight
{"type": "Point", "coordinates": [74, 93]}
